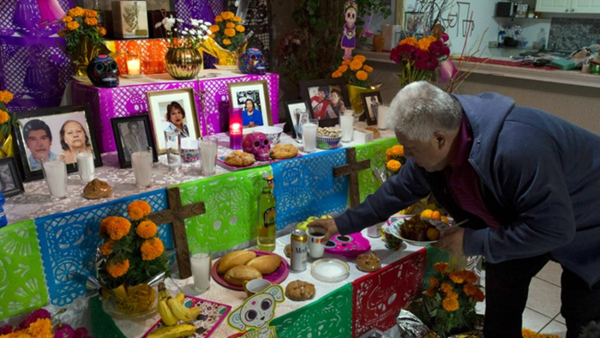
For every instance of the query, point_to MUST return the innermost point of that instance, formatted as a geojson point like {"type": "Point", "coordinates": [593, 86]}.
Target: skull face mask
{"type": "Point", "coordinates": [257, 144]}
{"type": "Point", "coordinates": [103, 71]}
{"type": "Point", "coordinates": [252, 61]}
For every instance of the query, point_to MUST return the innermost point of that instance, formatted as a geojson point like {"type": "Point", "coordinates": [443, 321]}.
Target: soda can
{"type": "Point", "coordinates": [299, 245]}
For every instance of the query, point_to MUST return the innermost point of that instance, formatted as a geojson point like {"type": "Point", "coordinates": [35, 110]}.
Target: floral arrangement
{"type": "Point", "coordinates": [83, 35]}
{"type": "Point", "coordinates": [450, 299]}
{"type": "Point", "coordinates": [39, 324]}
{"type": "Point", "coordinates": [7, 120]}
{"type": "Point", "coordinates": [419, 59]}
{"type": "Point", "coordinates": [355, 71]}
{"type": "Point", "coordinates": [394, 159]}
{"type": "Point", "coordinates": [228, 32]}
{"type": "Point", "coordinates": [192, 35]}
{"type": "Point", "coordinates": [131, 252]}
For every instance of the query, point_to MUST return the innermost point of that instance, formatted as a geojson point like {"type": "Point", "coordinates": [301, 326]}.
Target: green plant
{"type": "Point", "coordinates": [83, 35]}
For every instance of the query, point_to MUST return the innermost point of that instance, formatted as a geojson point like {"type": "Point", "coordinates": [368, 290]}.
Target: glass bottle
{"type": "Point", "coordinates": [3, 220]}
{"type": "Point", "coordinates": [266, 216]}
{"type": "Point", "coordinates": [97, 8]}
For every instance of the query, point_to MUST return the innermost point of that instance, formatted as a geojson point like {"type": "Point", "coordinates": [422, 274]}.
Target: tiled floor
{"type": "Point", "coordinates": [543, 305]}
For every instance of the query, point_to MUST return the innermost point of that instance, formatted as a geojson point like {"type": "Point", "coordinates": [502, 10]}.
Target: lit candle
{"type": "Point", "coordinates": [235, 129]}
{"type": "Point", "coordinates": [133, 65]}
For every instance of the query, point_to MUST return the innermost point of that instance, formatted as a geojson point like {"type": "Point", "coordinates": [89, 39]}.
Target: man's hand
{"type": "Point", "coordinates": [251, 125]}
{"type": "Point", "coordinates": [452, 242]}
{"type": "Point", "coordinates": [328, 224]}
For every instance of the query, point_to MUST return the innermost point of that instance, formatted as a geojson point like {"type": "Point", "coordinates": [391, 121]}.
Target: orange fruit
{"type": "Point", "coordinates": [436, 215]}
{"type": "Point", "coordinates": [433, 234]}
{"type": "Point", "coordinates": [426, 213]}
{"type": "Point", "coordinates": [445, 219]}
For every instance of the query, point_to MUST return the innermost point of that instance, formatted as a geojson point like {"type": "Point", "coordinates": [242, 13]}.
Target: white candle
{"type": "Point", "coordinates": [309, 137]}
{"type": "Point", "coordinates": [208, 155]}
{"type": "Point", "coordinates": [201, 264]}
{"type": "Point", "coordinates": [85, 166]}
{"type": "Point", "coordinates": [56, 177]}
{"type": "Point", "coordinates": [133, 67]}
{"type": "Point", "coordinates": [347, 124]}
{"type": "Point", "coordinates": [382, 114]}
{"type": "Point", "coordinates": [141, 161]}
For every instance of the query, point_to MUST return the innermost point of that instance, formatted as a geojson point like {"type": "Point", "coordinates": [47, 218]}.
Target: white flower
{"type": "Point", "coordinates": [168, 22]}
{"type": "Point", "coordinates": [237, 3]}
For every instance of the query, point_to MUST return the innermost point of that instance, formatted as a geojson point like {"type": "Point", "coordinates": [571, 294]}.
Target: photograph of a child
{"type": "Point", "coordinates": [327, 101]}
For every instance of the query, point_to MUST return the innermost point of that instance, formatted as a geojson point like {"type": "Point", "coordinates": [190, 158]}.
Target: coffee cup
{"type": "Point", "coordinates": [316, 241]}
{"type": "Point", "coordinates": [255, 286]}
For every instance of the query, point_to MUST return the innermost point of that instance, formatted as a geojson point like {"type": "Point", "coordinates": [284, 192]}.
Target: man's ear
{"type": "Point", "coordinates": [441, 138]}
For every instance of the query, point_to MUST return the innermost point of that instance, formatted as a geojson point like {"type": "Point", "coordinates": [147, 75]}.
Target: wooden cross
{"type": "Point", "coordinates": [351, 169]}
{"type": "Point", "coordinates": [176, 214]}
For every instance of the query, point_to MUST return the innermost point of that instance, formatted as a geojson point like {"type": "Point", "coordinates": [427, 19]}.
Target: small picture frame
{"type": "Point", "coordinates": [292, 108]}
{"type": "Point", "coordinates": [327, 99]}
{"type": "Point", "coordinates": [413, 23]}
{"type": "Point", "coordinates": [53, 132]}
{"type": "Point", "coordinates": [132, 133]}
{"type": "Point", "coordinates": [10, 180]}
{"type": "Point", "coordinates": [521, 11]}
{"type": "Point", "coordinates": [170, 110]}
{"type": "Point", "coordinates": [371, 102]}
{"type": "Point", "coordinates": [251, 96]}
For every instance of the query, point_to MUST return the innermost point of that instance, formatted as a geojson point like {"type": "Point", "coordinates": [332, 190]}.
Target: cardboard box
{"type": "Point", "coordinates": [130, 19]}
{"type": "Point", "coordinates": [362, 136]}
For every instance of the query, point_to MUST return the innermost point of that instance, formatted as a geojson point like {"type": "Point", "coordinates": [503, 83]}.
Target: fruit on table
{"type": "Point", "coordinates": [429, 213]}
{"type": "Point", "coordinates": [304, 225]}
{"type": "Point", "coordinates": [165, 313]}
{"type": "Point", "coordinates": [182, 312]}
{"type": "Point", "coordinates": [180, 330]}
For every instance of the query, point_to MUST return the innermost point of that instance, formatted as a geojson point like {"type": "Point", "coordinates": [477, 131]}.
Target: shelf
{"type": "Point", "coordinates": [512, 18]}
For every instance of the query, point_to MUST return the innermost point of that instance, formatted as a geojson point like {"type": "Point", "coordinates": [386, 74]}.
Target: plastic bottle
{"type": "Point", "coordinates": [501, 35]}
{"type": "Point", "coordinates": [541, 39]}
{"type": "Point", "coordinates": [266, 216]}
{"type": "Point", "coordinates": [3, 220]}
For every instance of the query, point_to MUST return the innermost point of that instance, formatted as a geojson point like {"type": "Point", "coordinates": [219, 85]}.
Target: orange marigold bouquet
{"type": "Point", "coordinates": [83, 34]}
{"type": "Point", "coordinates": [228, 31]}
{"type": "Point", "coordinates": [355, 71]}
{"type": "Point", "coordinates": [450, 299]}
{"type": "Point", "coordinates": [394, 159]}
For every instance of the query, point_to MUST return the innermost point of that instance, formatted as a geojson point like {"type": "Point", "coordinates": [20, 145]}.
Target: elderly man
{"type": "Point", "coordinates": [526, 183]}
{"type": "Point", "coordinates": [38, 139]}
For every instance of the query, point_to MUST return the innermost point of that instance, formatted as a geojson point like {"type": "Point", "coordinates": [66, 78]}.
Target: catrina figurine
{"type": "Point", "coordinates": [103, 71]}
{"type": "Point", "coordinates": [349, 38]}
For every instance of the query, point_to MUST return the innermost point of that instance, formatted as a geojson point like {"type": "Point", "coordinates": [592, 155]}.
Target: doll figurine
{"type": "Point", "coordinates": [349, 37]}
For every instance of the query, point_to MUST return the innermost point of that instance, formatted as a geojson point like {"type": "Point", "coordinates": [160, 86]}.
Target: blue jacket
{"type": "Point", "coordinates": [539, 177]}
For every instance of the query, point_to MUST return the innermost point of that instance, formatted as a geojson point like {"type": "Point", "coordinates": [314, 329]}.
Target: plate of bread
{"type": "Point", "coordinates": [240, 266]}
{"type": "Point", "coordinates": [237, 160]}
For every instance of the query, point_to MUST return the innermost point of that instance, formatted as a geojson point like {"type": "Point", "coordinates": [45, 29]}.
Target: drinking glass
{"type": "Point", "coordinates": [382, 114]}
{"type": "Point", "coordinates": [55, 173]}
{"type": "Point", "coordinates": [85, 166]}
{"type": "Point", "coordinates": [347, 124]}
{"type": "Point", "coordinates": [309, 135]}
{"type": "Point", "coordinates": [201, 263]}
{"type": "Point", "coordinates": [208, 155]}
{"type": "Point", "coordinates": [316, 243]}
{"type": "Point", "coordinates": [173, 144]}
{"type": "Point", "coordinates": [141, 161]}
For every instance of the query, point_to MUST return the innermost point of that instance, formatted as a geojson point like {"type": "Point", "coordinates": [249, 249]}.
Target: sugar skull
{"type": "Point", "coordinates": [257, 312]}
{"type": "Point", "coordinates": [257, 144]}
{"type": "Point", "coordinates": [103, 71]}
{"type": "Point", "coordinates": [252, 61]}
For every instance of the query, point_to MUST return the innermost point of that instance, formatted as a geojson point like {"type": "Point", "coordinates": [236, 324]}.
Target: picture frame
{"type": "Point", "coordinates": [61, 122]}
{"type": "Point", "coordinates": [10, 179]}
{"type": "Point", "coordinates": [160, 102]}
{"type": "Point", "coordinates": [241, 93]}
{"type": "Point", "coordinates": [320, 107]}
{"type": "Point", "coordinates": [291, 109]}
{"type": "Point", "coordinates": [521, 11]}
{"type": "Point", "coordinates": [413, 23]}
{"type": "Point", "coordinates": [131, 134]}
{"type": "Point", "coordinates": [371, 102]}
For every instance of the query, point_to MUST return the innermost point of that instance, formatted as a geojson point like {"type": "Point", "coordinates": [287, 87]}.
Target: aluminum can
{"type": "Point", "coordinates": [298, 245]}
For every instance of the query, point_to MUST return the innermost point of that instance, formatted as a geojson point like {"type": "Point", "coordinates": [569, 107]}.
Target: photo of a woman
{"type": "Point", "coordinates": [175, 118]}
{"type": "Point", "coordinates": [251, 117]}
{"type": "Point", "coordinates": [73, 139]}
{"type": "Point", "coordinates": [337, 107]}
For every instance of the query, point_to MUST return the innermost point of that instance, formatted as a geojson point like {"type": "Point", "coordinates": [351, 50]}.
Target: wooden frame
{"type": "Point", "coordinates": [413, 23]}
{"type": "Point", "coordinates": [159, 102]}
{"type": "Point", "coordinates": [36, 123]}
{"type": "Point", "coordinates": [371, 102]}
{"type": "Point", "coordinates": [291, 107]}
{"type": "Point", "coordinates": [127, 143]}
{"type": "Point", "coordinates": [310, 94]}
{"type": "Point", "coordinates": [257, 91]}
{"type": "Point", "coordinates": [10, 180]}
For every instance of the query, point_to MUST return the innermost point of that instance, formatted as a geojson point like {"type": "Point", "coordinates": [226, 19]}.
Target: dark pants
{"type": "Point", "coordinates": [507, 288]}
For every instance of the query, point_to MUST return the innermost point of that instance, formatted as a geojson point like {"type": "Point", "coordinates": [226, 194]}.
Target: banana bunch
{"type": "Point", "coordinates": [180, 330]}
{"type": "Point", "coordinates": [304, 225]}
{"type": "Point", "coordinates": [172, 310]}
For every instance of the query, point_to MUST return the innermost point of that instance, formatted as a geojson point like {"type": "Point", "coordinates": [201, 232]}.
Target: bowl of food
{"type": "Point", "coordinates": [328, 138]}
{"type": "Point", "coordinates": [273, 133]}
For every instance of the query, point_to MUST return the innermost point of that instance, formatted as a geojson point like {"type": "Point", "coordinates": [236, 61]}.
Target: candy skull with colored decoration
{"type": "Point", "coordinates": [252, 61]}
{"type": "Point", "coordinates": [103, 71]}
{"type": "Point", "coordinates": [257, 144]}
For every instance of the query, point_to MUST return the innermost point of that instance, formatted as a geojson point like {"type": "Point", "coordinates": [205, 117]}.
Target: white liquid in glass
{"type": "Point", "coordinates": [347, 124]}
{"type": "Point", "coordinates": [141, 162]}
{"type": "Point", "coordinates": [56, 178]}
{"type": "Point", "coordinates": [201, 264]}
{"type": "Point", "coordinates": [309, 137]}
{"type": "Point", "coordinates": [85, 166]}
{"type": "Point", "coordinates": [208, 157]}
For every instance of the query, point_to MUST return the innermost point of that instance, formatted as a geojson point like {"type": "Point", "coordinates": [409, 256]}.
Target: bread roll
{"type": "Point", "coordinates": [235, 258]}
{"type": "Point", "coordinates": [241, 273]}
{"type": "Point", "coordinates": [265, 264]}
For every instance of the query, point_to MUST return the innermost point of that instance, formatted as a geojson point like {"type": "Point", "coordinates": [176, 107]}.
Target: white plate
{"type": "Point", "coordinates": [416, 243]}
{"type": "Point", "coordinates": [330, 270]}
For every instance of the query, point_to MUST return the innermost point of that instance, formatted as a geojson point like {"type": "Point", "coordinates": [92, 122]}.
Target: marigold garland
{"type": "Point", "coordinates": [152, 248]}
{"type": "Point", "coordinates": [146, 229]}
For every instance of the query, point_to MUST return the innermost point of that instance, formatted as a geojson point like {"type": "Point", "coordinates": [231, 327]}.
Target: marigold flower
{"type": "Point", "coordinates": [393, 165]}
{"type": "Point", "coordinates": [229, 32]}
{"type": "Point", "coordinates": [73, 25]}
{"type": "Point", "coordinates": [41, 328]}
{"type": "Point", "coordinates": [107, 247]}
{"type": "Point", "coordinates": [424, 43]}
{"type": "Point", "coordinates": [5, 96]}
{"type": "Point", "coordinates": [91, 21]}
{"type": "Point", "coordinates": [441, 267]}
{"type": "Point", "coordinates": [343, 68]}
{"type": "Point", "coordinates": [230, 25]}
{"type": "Point", "coordinates": [102, 30]}
{"type": "Point", "coordinates": [226, 42]}
{"type": "Point", "coordinates": [360, 58]}
{"type": "Point", "coordinates": [218, 18]}
{"type": "Point", "coordinates": [452, 294]}
{"type": "Point", "coordinates": [355, 65]}
{"type": "Point", "coordinates": [4, 117]}
{"type": "Point", "coordinates": [367, 68]}
{"type": "Point", "coordinates": [346, 62]}
{"type": "Point", "coordinates": [214, 28]}
{"type": "Point", "coordinates": [456, 277]}
{"type": "Point", "coordinates": [240, 28]}
{"type": "Point", "coordinates": [152, 249]}
{"type": "Point", "coordinates": [409, 41]}
{"type": "Point", "coordinates": [227, 15]}
{"type": "Point", "coordinates": [117, 269]}
{"type": "Point", "coordinates": [362, 75]}
{"type": "Point", "coordinates": [237, 19]}
{"type": "Point", "coordinates": [143, 206]}
{"type": "Point", "coordinates": [336, 74]}
{"type": "Point", "coordinates": [76, 12]}
{"type": "Point", "coordinates": [388, 152]}
{"type": "Point", "coordinates": [446, 287]}
{"type": "Point", "coordinates": [478, 295]}
{"type": "Point", "coordinates": [90, 13]}
{"type": "Point", "coordinates": [117, 227]}
{"type": "Point", "coordinates": [450, 304]}
{"type": "Point", "coordinates": [397, 150]}
{"type": "Point", "coordinates": [470, 277]}
{"type": "Point", "coordinates": [433, 282]}
{"type": "Point", "coordinates": [146, 229]}
{"type": "Point", "coordinates": [66, 19]}
{"type": "Point", "coordinates": [430, 292]}
{"type": "Point", "coordinates": [469, 289]}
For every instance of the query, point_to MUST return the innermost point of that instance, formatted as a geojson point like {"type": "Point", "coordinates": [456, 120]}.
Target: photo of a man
{"type": "Point", "coordinates": [134, 138]}
{"type": "Point", "coordinates": [38, 139]}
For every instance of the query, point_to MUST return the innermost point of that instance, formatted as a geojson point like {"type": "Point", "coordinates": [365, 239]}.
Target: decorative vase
{"type": "Point", "coordinates": [183, 63]}
{"type": "Point", "coordinates": [131, 302]}
{"type": "Point", "coordinates": [84, 53]}
{"type": "Point", "coordinates": [228, 60]}
{"type": "Point", "coordinates": [355, 99]}
{"type": "Point", "coordinates": [378, 42]}
{"type": "Point", "coordinates": [6, 146]}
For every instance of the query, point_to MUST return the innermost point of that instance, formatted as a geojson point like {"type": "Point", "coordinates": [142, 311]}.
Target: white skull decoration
{"type": "Point", "coordinates": [258, 144]}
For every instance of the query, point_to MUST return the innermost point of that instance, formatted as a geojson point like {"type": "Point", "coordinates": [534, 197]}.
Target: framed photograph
{"type": "Point", "coordinates": [132, 133]}
{"type": "Point", "coordinates": [371, 102]}
{"type": "Point", "coordinates": [521, 11]}
{"type": "Point", "coordinates": [171, 110]}
{"type": "Point", "coordinates": [292, 108]}
{"type": "Point", "coordinates": [253, 99]}
{"type": "Point", "coordinates": [10, 180]}
{"type": "Point", "coordinates": [413, 23]}
{"type": "Point", "coordinates": [53, 132]}
{"type": "Point", "coordinates": [326, 99]}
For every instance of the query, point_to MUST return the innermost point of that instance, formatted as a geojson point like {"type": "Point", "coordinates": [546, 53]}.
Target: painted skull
{"type": "Point", "coordinates": [103, 71]}
{"type": "Point", "coordinates": [252, 61]}
{"type": "Point", "coordinates": [257, 144]}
